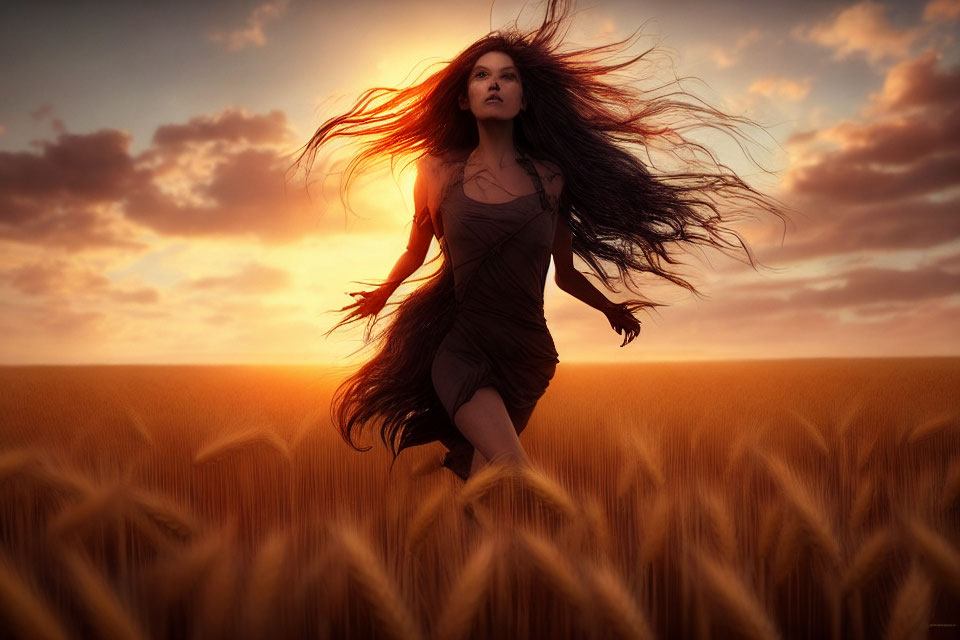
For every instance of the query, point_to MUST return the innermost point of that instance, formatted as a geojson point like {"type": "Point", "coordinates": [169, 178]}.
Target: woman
{"type": "Point", "coordinates": [520, 159]}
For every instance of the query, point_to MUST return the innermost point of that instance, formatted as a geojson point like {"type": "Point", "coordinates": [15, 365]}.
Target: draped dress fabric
{"type": "Point", "coordinates": [500, 253]}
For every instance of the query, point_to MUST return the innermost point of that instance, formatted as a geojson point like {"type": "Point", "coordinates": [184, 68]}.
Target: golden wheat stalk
{"type": "Point", "coordinates": [951, 486]}
{"type": "Point", "coordinates": [910, 613]}
{"type": "Point", "coordinates": [21, 462]}
{"type": "Point", "coordinates": [732, 599]}
{"type": "Point", "coordinates": [467, 593]}
{"type": "Point", "coordinates": [656, 527]}
{"type": "Point", "coordinates": [103, 505]}
{"type": "Point", "coordinates": [549, 491]}
{"type": "Point", "coordinates": [379, 588]}
{"type": "Point", "coordinates": [107, 613]}
{"type": "Point", "coordinates": [744, 443]}
{"type": "Point", "coordinates": [34, 465]}
{"type": "Point", "coordinates": [425, 516]}
{"type": "Point", "coordinates": [24, 609]}
{"type": "Point", "coordinates": [308, 424]}
{"type": "Point", "coordinates": [850, 413]}
{"type": "Point", "coordinates": [165, 514]}
{"type": "Point", "coordinates": [266, 583]}
{"type": "Point", "coordinates": [627, 475]}
{"type": "Point", "coordinates": [183, 572]}
{"type": "Point", "coordinates": [485, 479]}
{"type": "Point", "coordinates": [616, 605]}
{"type": "Point", "coordinates": [242, 440]}
{"type": "Point", "coordinates": [553, 564]}
{"type": "Point", "coordinates": [786, 554]}
{"type": "Point", "coordinates": [871, 554]}
{"type": "Point", "coordinates": [941, 558]}
{"type": "Point", "coordinates": [722, 526]}
{"type": "Point", "coordinates": [813, 432]}
{"type": "Point", "coordinates": [864, 451]}
{"type": "Point", "coordinates": [862, 502]}
{"type": "Point", "coordinates": [770, 524]}
{"type": "Point", "coordinates": [930, 427]}
{"type": "Point", "coordinates": [597, 524]}
{"type": "Point", "coordinates": [812, 516]}
{"type": "Point", "coordinates": [647, 461]}
{"type": "Point", "coordinates": [137, 424]}
{"type": "Point", "coordinates": [217, 600]}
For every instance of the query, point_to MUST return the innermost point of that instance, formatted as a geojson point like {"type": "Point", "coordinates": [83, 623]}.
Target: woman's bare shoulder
{"type": "Point", "coordinates": [439, 165]}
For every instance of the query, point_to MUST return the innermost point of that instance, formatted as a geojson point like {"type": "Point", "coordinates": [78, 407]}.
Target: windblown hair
{"type": "Point", "coordinates": [622, 210]}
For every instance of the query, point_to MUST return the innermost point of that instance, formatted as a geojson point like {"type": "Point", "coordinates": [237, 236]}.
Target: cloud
{"type": "Point", "coordinates": [52, 277]}
{"type": "Point", "coordinates": [835, 228]}
{"type": "Point", "coordinates": [58, 196]}
{"type": "Point", "coordinates": [45, 111]}
{"type": "Point", "coordinates": [782, 86]}
{"type": "Point", "coordinates": [866, 286]}
{"type": "Point", "coordinates": [62, 280]}
{"type": "Point", "coordinates": [918, 82]}
{"type": "Point", "coordinates": [724, 58]}
{"type": "Point", "coordinates": [889, 180]}
{"type": "Point", "coordinates": [941, 10]}
{"type": "Point", "coordinates": [243, 194]}
{"type": "Point", "coordinates": [230, 125]}
{"type": "Point", "coordinates": [861, 28]}
{"type": "Point", "coordinates": [251, 33]}
{"type": "Point", "coordinates": [222, 174]}
{"type": "Point", "coordinates": [253, 279]}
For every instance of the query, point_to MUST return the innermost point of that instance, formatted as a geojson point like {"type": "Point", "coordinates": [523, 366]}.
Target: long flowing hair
{"type": "Point", "coordinates": [626, 214]}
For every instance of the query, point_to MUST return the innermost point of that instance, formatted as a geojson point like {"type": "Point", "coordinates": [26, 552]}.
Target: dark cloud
{"type": "Point", "coordinates": [920, 82]}
{"type": "Point", "coordinates": [831, 228]}
{"type": "Point", "coordinates": [53, 197]}
{"type": "Point", "coordinates": [231, 125]}
{"type": "Point", "coordinates": [887, 185]}
{"type": "Point", "coordinates": [837, 180]}
{"type": "Point", "coordinates": [60, 196]}
{"type": "Point", "coordinates": [862, 290]}
{"type": "Point", "coordinates": [247, 189]}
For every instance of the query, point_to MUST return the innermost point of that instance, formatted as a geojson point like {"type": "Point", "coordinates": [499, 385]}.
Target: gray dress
{"type": "Point", "coordinates": [500, 254]}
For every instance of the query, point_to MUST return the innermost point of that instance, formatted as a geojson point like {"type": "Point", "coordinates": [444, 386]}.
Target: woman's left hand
{"type": "Point", "coordinates": [622, 320]}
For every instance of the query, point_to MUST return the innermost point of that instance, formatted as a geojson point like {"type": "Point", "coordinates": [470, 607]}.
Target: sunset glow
{"type": "Point", "coordinates": [147, 215]}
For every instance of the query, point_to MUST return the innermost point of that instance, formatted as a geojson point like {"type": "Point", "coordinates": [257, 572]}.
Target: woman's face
{"type": "Point", "coordinates": [494, 74]}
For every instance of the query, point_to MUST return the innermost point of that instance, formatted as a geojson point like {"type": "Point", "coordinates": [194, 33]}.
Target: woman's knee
{"type": "Point", "coordinates": [485, 422]}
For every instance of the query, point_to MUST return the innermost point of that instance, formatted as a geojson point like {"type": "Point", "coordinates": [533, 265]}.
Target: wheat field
{"type": "Point", "coordinates": [762, 499]}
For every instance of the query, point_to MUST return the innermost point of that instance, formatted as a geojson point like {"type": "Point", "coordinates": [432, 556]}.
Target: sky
{"type": "Point", "coordinates": [147, 214]}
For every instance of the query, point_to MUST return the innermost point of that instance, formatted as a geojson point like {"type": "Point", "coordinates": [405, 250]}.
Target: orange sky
{"type": "Point", "coordinates": [145, 216]}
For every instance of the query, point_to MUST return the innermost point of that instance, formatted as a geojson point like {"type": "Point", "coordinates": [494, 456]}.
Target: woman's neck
{"type": "Point", "coordinates": [495, 148]}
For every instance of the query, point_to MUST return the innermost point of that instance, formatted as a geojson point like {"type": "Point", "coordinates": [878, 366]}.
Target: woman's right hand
{"type": "Point", "coordinates": [367, 302]}
{"type": "Point", "coordinates": [621, 319]}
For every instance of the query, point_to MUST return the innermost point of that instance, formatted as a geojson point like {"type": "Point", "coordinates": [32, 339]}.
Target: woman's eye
{"type": "Point", "coordinates": [506, 75]}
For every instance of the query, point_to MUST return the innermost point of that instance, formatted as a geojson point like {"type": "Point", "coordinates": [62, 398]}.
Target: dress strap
{"type": "Point", "coordinates": [526, 163]}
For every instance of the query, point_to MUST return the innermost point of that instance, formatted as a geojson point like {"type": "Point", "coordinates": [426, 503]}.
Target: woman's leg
{"type": "Point", "coordinates": [486, 423]}
{"type": "Point", "coordinates": [478, 461]}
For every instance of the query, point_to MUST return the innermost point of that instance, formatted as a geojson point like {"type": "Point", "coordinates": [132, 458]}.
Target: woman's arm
{"type": "Point", "coordinates": [567, 277]}
{"type": "Point", "coordinates": [411, 259]}
{"type": "Point", "coordinates": [573, 282]}
{"type": "Point", "coordinates": [421, 234]}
